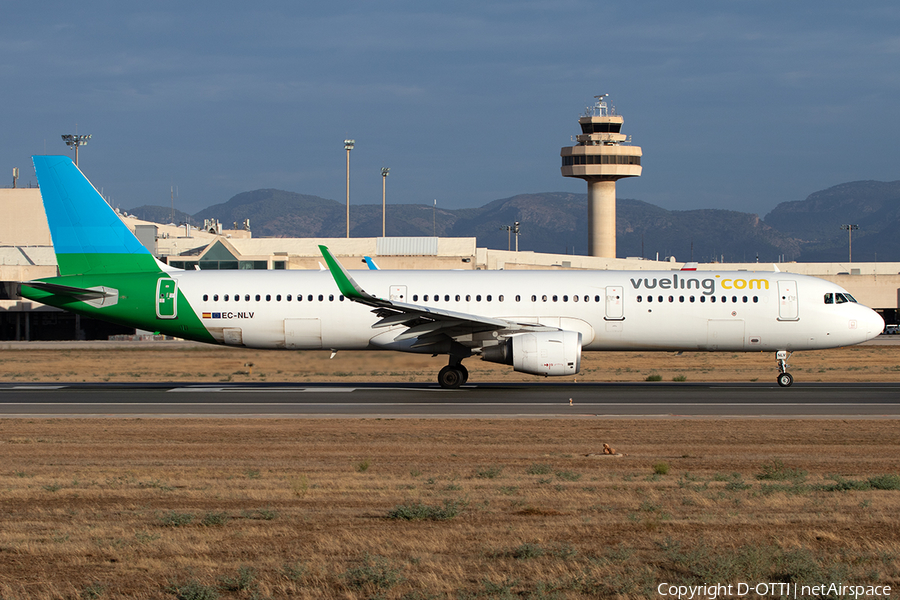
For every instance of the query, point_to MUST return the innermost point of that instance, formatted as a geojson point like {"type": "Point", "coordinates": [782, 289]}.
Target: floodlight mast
{"type": "Point", "coordinates": [849, 229]}
{"type": "Point", "coordinates": [348, 146]}
{"type": "Point", "coordinates": [74, 141]}
{"type": "Point", "coordinates": [384, 174]}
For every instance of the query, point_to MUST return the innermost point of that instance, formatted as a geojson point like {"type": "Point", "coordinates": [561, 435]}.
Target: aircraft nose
{"type": "Point", "coordinates": [874, 324]}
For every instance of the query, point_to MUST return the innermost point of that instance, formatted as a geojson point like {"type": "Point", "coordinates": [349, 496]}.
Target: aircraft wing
{"type": "Point", "coordinates": [427, 323]}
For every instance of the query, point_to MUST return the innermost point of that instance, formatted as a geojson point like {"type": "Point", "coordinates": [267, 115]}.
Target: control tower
{"type": "Point", "coordinates": [603, 156]}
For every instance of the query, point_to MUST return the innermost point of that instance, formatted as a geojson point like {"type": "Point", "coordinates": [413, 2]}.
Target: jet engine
{"type": "Point", "coordinates": [539, 353]}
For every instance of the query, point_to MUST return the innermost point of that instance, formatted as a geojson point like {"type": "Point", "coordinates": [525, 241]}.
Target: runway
{"type": "Point", "coordinates": [547, 400]}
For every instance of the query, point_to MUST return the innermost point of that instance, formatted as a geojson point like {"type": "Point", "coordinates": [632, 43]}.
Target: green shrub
{"type": "Point", "coordinates": [176, 519]}
{"type": "Point", "coordinates": [192, 590]}
{"type": "Point", "coordinates": [488, 472]}
{"type": "Point", "coordinates": [539, 469]}
{"type": "Point", "coordinates": [214, 519]}
{"type": "Point", "coordinates": [653, 377]}
{"type": "Point", "coordinates": [424, 512]}
{"type": "Point", "coordinates": [776, 471]}
{"type": "Point", "coordinates": [661, 468]}
{"type": "Point", "coordinates": [375, 571]}
{"type": "Point", "coordinates": [363, 466]}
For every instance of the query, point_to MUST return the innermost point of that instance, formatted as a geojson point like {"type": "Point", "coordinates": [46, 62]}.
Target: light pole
{"type": "Point", "coordinates": [511, 229]}
{"type": "Point", "coordinates": [850, 229]}
{"type": "Point", "coordinates": [348, 146]}
{"type": "Point", "coordinates": [73, 141]}
{"type": "Point", "coordinates": [384, 174]}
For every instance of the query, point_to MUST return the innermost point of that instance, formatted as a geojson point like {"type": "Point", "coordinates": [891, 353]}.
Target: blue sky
{"type": "Point", "coordinates": [736, 104]}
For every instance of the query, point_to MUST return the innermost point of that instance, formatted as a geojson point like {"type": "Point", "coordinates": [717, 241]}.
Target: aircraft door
{"type": "Point", "coordinates": [166, 298]}
{"type": "Point", "coordinates": [615, 303]}
{"type": "Point", "coordinates": [398, 293]}
{"type": "Point", "coordinates": [302, 334]}
{"type": "Point", "coordinates": [787, 301]}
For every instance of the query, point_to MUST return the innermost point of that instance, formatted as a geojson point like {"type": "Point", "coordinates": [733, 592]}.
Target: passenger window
{"type": "Point", "coordinates": [734, 299]}
{"type": "Point", "coordinates": [555, 297]}
{"type": "Point", "coordinates": [225, 298]}
{"type": "Point", "coordinates": [488, 298]}
{"type": "Point", "coordinates": [331, 297]}
{"type": "Point", "coordinates": [278, 298]}
{"type": "Point", "coordinates": [544, 298]}
{"type": "Point", "coordinates": [478, 298]}
{"type": "Point", "coordinates": [268, 297]}
{"type": "Point", "coordinates": [639, 299]}
{"type": "Point", "coordinates": [518, 298]}
{"type": "Point", "coordinates": [446, 297]}
{"type": "Point", "coordinates": [246, 297]}
{"type": "Point", "coordinates": [257, 297]}
{"type": "Point", "coordinates": [692, 298]}
{"type": "Point", "coordinates": [649, 298]}
{"type": "Point", "coordinates": [425, 298]}
{"type": "Point", "coordinates": [288, 298]}
{"type": "Point", "coordinates": [671, 298]}
{"type": "Point", "coordinates": [565, 298]}
{"type": "Point", "coordinates": [660, 298]}
{"type": "Point", "coordinates": [702, 299]}
{"type": "Point", "coordinates": [587, 298]}
{"type": "Point", "coordinates": [534, 298]}
{"type": "Point", "coordinates": [205, 297]}
{"type": "Point", "coordinates": [415, 297]}
{"type": "Point", "coordinates": [321, 297]}
{"type": "Point", "coordinates": [215, 297]}
{"type": "Point", "coordinates": [724, 299]}
{"type": "Point", "coordinates": [308, 298]}
{"type": "Point", "coordinates": [500, 298]}
{"type": "Point", "coordinates": [745, 299]}
{"type": "Point", "coordinates": [596, 298]}
{"type": "Point", "coordinates": [468, 297]}
{"type": "Point", "coordinates": [341, 297]}
{"type": "Point", "coordinates": [755, 299]}
{"type": "Point", "coordinates": [457, 297]}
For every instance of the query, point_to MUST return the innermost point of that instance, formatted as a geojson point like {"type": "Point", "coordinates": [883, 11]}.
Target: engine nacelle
{"type": "Point", "coordinates": [539, 353]}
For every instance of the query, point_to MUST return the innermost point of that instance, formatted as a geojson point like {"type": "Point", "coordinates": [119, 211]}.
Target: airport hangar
{"type": "Point", "coordinates": [26, 252]}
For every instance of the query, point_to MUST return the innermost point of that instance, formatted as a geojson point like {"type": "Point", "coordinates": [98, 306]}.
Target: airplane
{"type": "Point", "coordinates": [539, 322]}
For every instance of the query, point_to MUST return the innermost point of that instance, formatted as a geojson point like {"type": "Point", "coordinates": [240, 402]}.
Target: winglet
{"type": "Point", "coordinates": [349, 288]}
{"type": "Point", "coordinates": [370, 263]}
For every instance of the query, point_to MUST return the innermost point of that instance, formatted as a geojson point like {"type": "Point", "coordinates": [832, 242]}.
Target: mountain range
{"type": "Point", "coordinates": [555, 222]}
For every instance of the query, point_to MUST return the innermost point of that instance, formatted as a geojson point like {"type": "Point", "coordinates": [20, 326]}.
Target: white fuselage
{"type": "Point", "coordinates": [613, 310]}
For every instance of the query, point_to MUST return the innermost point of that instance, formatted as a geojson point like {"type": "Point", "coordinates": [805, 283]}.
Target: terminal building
{"type": "Point", "coordinates": [26, 252]}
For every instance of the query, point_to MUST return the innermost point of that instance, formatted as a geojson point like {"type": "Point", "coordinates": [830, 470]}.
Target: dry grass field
{"type": "Point", "coordinates": [201, 363]}
{"type": "Point", "coordinates": [416, 509]}
{"type": "Point", "coordinates": [410, 509]}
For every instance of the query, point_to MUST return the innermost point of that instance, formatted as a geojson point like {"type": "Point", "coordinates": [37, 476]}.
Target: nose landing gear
{"type": "Point", "coordinates": [784, 378]}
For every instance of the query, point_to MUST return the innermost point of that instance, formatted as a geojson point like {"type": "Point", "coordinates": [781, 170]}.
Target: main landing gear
{"type": "Point", "coordinates": [784, 378]}
{"type": "Point", "coordinates": [453, 375]}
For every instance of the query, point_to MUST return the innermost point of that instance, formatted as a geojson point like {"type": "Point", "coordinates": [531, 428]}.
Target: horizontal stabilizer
{"type": "Point", "coordinates": [67, 290]}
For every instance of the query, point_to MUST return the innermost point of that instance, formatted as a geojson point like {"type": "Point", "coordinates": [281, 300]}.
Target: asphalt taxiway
{"type": "Point", "coordinates": [573, 400]}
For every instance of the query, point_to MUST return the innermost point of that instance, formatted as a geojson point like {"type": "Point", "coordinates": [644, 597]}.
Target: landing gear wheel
{"type": "Point", "coordinates": [465, 373]}
{"type": "Point", "coordinates": [451, 377]}
{"type": "Point", "coordinates": [785, 379]}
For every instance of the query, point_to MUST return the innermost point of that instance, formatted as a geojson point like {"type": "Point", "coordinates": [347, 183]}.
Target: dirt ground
{"type": "Point", "coordinates": [188, 362]}
{"type": "Point", "coordinates": [413, 509]}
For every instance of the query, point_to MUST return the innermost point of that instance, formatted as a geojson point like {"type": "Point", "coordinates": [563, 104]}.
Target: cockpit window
{"type": "Point", "coordinates": [839, 298]}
